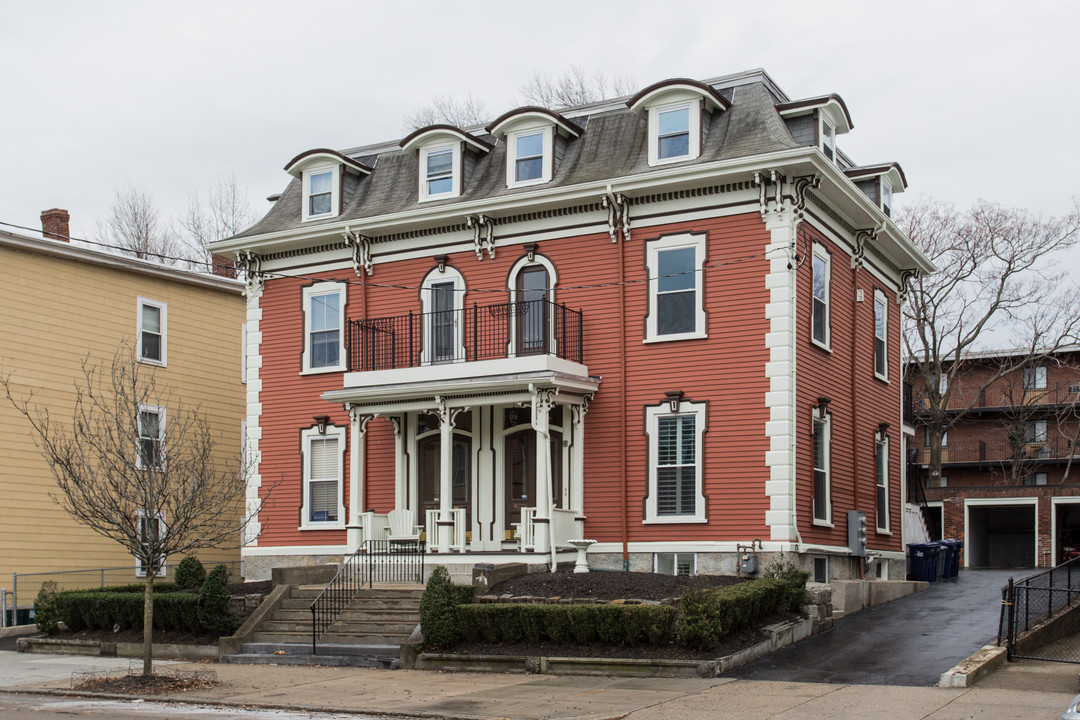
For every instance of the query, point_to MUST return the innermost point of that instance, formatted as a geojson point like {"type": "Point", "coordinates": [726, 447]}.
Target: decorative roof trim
{"type": "Point", "coordinates": [296, 166]}
{"type": "Point", "coordinates": [893, 170]}
{"type": "Point", "coordinates": [424, 134]}
{"type": "Point", "coordinates": [799, 107]}
{"type": "Point", "coordinates": [711, 96]}
{"type": "Point", "coordinates": [499, 125]}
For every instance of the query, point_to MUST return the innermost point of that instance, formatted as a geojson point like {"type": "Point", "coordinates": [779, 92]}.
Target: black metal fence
{"type": "Point", "coordinates": [479, 332]}
{"type": "Point", "coordinates": [1030, 601]}
{"type": "Point", "coordinates": [376, 561]}
{"type": "Point", "coordinates": [26, 586]}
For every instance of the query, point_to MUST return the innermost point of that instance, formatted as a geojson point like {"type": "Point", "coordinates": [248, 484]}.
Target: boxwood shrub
{"type": "Point", "coordinates": [504, 623]}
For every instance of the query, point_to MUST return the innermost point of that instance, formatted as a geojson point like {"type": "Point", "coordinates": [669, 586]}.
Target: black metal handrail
{"type": "Point", "coordinates": [477, 332]}
{"type": "Point", "coordinates": [1033, 599]}
{"type": "Point", "coordinates": [383, 561]}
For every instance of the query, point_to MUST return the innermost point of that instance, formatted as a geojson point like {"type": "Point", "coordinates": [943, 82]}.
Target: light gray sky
{"type": "Point", "coordinates": [973, 99]}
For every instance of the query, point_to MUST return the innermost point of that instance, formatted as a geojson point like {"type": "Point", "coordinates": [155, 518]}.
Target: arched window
{"type": "Point", "coordinates": [442, 297]}
{"type": "Point", "coordinates": [532, 294]}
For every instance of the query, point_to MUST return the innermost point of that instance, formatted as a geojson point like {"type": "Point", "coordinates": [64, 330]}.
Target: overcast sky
{"type": "Point", "coordinates": [973, 99]}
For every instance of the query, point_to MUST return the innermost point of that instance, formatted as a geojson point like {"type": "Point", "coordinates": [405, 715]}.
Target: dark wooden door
{"type": "Point", "coordinates": [429, 470]}
{"type": "Point", "coordinates": [520, 452]}
{"type": "Point", "coordinates": [532, 311]}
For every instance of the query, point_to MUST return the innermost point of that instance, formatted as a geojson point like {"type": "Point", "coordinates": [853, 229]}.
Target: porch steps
{"type": "Point", "coordinates": [368, 633]}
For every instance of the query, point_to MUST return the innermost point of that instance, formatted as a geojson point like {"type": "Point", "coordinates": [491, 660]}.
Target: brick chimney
{"type": "Point", "coordinates": [223, 266]}
{"type": "Point", "coordinates": [54, 224]}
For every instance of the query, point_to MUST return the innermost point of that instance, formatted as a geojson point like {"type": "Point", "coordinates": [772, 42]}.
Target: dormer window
{"type": "Point", "coordinates": [323, 181]}
{"type": "Point", "coordinates": [828, 139]}
{"type": "Point", "coordinates": [677, 111]}
{"type": "Point", "coordinates": [815, 122]}
{"type": "Point", "coordinates": [531, 136]}
{"type": "Point", "coordinates": [879, 183]}
{"type": "Point", "coordinates": [444, 159]}
{"type": "Point", "coordinates": [886, 197]}
{"type": "Point", "coordinates": [440, 171]}
{"type": "Point", "coordinates": [673, 133]}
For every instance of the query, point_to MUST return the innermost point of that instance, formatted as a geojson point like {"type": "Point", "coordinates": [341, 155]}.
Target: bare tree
{"type": "Point", "coordinates": [138, 466]}
{"type": "Point", "coordinates": [574, 87]}
{"type": "Point", "coordinates": [459, 112]}
{"type": "Point", "coordinates": [993, 284]}
{"type": "Point", "coordinates": [134, 226]}
{"type": "Point", "coordinates": [222, 213]}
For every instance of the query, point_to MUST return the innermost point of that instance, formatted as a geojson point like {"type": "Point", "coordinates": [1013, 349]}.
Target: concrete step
{"type": "Point", "coordinates": [320, 659]}
{"type": "Point", "coordinates": [367, 602]}
{"type": "Point", "coordinates": [359, 613]}
{"type": "Point", "coordinates": [369, 628]}
{"type": "Point", "coordinates": [387, 651]}
{"type": "Point", "coordinates": [329, 638]}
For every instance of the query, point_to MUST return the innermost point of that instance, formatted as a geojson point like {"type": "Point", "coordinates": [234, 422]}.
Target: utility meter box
{"type": "Point", "coordinates": [748, 564]}
{"type": "Point", "coordinates": [856, 532]}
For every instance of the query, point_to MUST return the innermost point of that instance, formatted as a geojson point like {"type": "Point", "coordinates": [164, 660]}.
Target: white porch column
{"type": "Point", "coordinates": [541, 406]}
{"type": "Point", "coordinates": [577, 458]}
{"type": "Point", "coordinates": [445, 523]}
{"type": "Point", "coordinates": [357, 430]}
{"type": "Point", "coordinates": [401, 491]}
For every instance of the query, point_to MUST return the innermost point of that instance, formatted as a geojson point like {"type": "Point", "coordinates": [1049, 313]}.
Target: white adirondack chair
{"type": "Point", "coordinates": [400, 526]}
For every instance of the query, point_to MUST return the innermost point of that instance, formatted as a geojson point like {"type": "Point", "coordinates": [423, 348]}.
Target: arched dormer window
{"type": "Point", "coordinates": [323, 175]}
{"type": "Point", "coordinates": [677, 110]}
{"type": "Point", "coordinates": [446, 156]}
{"type": "Point", "coordinates": [531, 283]}
{"type": "Point", "coordinates": [827, 116]}
{"type": "Point", "coordinates": [533, 138]}
{"type": "Point", "coordinates": [442, 299]}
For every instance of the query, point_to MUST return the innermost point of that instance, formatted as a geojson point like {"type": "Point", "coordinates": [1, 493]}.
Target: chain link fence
{"type": "Point", "coordinates": [18, 605]}
{"type": "Point", "coordinates": [1029, 602]}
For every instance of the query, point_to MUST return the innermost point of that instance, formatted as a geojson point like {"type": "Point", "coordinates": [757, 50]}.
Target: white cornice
{"type": "Point", "coordinates": [66, 251]}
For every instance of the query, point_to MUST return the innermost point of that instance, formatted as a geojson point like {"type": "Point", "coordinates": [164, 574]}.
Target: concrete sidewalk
{"type": "Point", "coordinates": [1030, 690]}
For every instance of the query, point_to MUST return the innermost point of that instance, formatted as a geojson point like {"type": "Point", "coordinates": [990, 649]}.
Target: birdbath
{"type": "Point", "coordinates": [582, 565]}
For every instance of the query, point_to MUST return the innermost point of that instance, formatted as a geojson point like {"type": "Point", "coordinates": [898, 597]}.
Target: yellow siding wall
{"type": "Point", "coordinates": [53, 313]}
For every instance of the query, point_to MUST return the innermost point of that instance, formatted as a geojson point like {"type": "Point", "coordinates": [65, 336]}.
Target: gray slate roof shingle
{"type": "Point", "coordinates": [615, 144]}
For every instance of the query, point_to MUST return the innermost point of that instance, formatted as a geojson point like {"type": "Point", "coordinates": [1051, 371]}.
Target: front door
{"type": "Point", "coordinates": [532, 311]}
{"type": "Point", "coordinates": [441, 323]}
{"type": "Point", "coordinates": [521, 472]}
{"type": "Point", "coordinates": [429, 469]}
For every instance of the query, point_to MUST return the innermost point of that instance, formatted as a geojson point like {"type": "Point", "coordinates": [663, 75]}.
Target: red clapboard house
{"type": "Point", "coordinates": [667, 323]}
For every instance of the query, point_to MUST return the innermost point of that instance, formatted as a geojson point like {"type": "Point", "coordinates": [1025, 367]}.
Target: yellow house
{"type": "Point", "coordinates": [59, 304]}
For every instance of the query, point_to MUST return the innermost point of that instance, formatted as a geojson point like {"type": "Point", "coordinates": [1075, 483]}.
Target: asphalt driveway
{"type": "Point", "coordinates": [909, 641]}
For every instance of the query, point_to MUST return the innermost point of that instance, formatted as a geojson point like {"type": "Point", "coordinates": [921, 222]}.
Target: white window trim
{"type": "Point", "coordinates": [821, 252]}
{"type": "Point", "coordinates": [140, 571]}
{"type": "Point", "coordinates": [455, 170]}
{"type": "Point", "coordinates": [548, 160]}
{"type": "Point", "coordinates": [882, 441]}
{"type": "Point", "coordinates": [694, 145]}
{"type": "Point", "coordinates": [675, 561]}
{"type": "Point", "coordinates": [243, 352]}
{"type": "Point", "coordinates": [306, 436]}
{"type": "Point", "coordinates": [335, 191]}
{"type": "Point", "coordinates": [163, 309]}
{"type": "Point", "coordinates": [436, 277]}
{"type": "Point", "coordinates": [160, 412]}
{"type": "Point", "coordinates": [826, 419]}
{"type": "Point", "coordinates": [880, 297]}
{"type": "Point", "coordinates": [652, 429]}
{"type": "Point", "coordinates": [512, 279]}
{"type": "Point", "coordinates": [317, 290]}
{"type": "Point", "coordinates": [652, 255]}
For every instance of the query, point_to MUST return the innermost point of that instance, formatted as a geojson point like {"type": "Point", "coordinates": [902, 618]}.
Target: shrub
{"type": "Point", "coordinates": [190, 574]}
{"type": "Point", "coordinates": [214, 615]}
{"type": "Point", "coordinates": [97, 610]}
{"type": "Point", "coordinates": [705, 616]}
{"type": "Point", "coordinates": [508, 624]}
{"type": "Point", "coordinates": [439, 610]}
{"type": "Point", "coordinates": [698, 626]}
{"type": "Point", "coordinates": [45, 615]}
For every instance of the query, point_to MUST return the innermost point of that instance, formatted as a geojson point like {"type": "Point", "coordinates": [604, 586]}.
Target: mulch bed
{"type": "Point", "coordinates": [145, 684]}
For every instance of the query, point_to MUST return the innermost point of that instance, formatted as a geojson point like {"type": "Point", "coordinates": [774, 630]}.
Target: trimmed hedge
{"type": "Point", "coordinates": [439, 609]}
{"type": "Point", "coordinates": [582, 624]}
{"type": "Point", "coordinates": [97, 610]}
{"type": "Point", "coordinates": [706, 616]}
{"type": "Point", "coordinates": [190, 574]}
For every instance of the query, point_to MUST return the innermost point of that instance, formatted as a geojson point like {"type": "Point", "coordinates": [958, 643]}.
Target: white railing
{"type": "Point", "coordinates": [373, 526]}
{"type": "Point", "coordinates": [564, 526]}
{"type": "Point", "coordinates": [526, 531]}
{"type": "Point", "coordinates": [457, 535]}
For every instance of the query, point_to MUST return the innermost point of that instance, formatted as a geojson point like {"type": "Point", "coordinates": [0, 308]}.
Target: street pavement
{"type": "Point", "coordinates": [910, 641]}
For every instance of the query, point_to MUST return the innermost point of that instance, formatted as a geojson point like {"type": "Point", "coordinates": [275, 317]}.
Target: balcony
{"type": "Point", "coordinates": [978, 452]}
{"type": "Point", "coordinates": [1006, 397]}
{"type": "Point", "coordinates": [471, 334]}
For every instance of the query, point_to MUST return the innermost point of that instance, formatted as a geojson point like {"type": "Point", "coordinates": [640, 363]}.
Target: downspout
{"type": "Point", "coordinates": [610, 198]}
{"type": "Point", "coordinates": [854, 404]}
{"type": "Point", "coordinates": [796, 263]}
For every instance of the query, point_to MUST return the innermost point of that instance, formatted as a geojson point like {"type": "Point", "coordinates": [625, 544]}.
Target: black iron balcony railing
{"type": "Point", "coordinates": [1005, 396]}
{"type": "Point", "coordinates": [1003, 451]}
{"type": "Point", "coordinates": [477, 332]}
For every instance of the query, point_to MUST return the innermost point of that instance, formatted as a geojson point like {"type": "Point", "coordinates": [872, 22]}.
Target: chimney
{"type": "Point", "coordinates": [54, 224]}
{"type": "Point", "coordinates": [222, 266]}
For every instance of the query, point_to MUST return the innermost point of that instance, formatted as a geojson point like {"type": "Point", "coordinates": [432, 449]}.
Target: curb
{"type": "Point", "coordinates": [969, 671]}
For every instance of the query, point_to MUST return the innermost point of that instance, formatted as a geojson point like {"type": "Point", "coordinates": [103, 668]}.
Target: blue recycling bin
{"type": "Point", "coordinates": [942, 561]}
{"type": "Point", "coordinates": [922, 559]}
{"type": "Point", "coordinates": [951, 565]}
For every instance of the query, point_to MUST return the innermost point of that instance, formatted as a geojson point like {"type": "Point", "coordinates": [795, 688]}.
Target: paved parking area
{"type": "Point", "coordinates": [909, 641]}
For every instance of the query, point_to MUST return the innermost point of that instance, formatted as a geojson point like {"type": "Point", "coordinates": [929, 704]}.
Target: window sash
{"type": "Point", "coordinates": [440, 172]}
{"type": "Point", "coordinates": [879, 337]}
{"type": "Point", "coordinates": [676, 291]}
{"type": "Point", "coordinates": [324, 333]}
{"type": "Point", "coordinates": [150, 340]}
{"type": "Point", "coordinates": [150, 439]}
{"type": "Point", "coordinates": [323, 479]}
{"type": "Point", "coordinates": [822, 490]}
{"type": "Point", "coordinates": [820, 329]}
{"type": "Point", "coordinates": [882, 485]}
{"type": "Point", "coordinates": [673, 133]}
{"type": "Point", "coordinates": [676, 472]}
{"type": "Point", "coordinates": [529, 157]}
{"type": "Point", "coordinates": [1035, 378]}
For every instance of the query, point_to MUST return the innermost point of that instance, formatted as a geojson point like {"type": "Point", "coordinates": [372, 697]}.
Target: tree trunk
{"type": "Point", "coordinates": [148, 619]}
{"type": "Point", "coordinates": [933, 465]}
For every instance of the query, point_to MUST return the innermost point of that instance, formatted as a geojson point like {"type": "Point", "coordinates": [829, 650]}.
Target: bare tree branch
{"type": "Point", "coordinates": [132, 452]}
{"type": "Point", "coordinates": [459, 112]}
{"type": "Point", "coordinates": [574, 87]}
{"type": "Point", "coordinates": [134, 226]}
{"type": "Point", "coordinates": [224, 212]}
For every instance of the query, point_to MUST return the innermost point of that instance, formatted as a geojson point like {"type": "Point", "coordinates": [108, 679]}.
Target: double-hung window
{"type": "Point", "coordinates": [529, 157]}
{"type": "Point", "coordinates": [881, 356]}
{"type": "Point", "coordinates": [324, 335]}
{"type": "Point", "coordinates": [673, 133]}
{"type": "Point", "coordinates": [828, 139]}
{"type": "Point", "coordinates": [886, 197]}
{"type": "Point", "coordinates": [676, 304]}
{"type": "Point", "coordinates": [821, 284]}
{"type": "Point", "coordinates": [151, 532]}
{"type": "Point", "coordinates": [323, 504]}
{"type": "Point", "coordinates": [152, 324]}
{"type": "Point", "coordinates": [822, 429]}
{"type": "Point", "coordinates": [439, 172]}
{"type": "Point", "coordinates": [1035, 378]}
{"type": "Point", "coordinates": [882, 476]}
{"type": "Point", "coordinates": [321, 192]}
{"type": "Point", "coordinates": [150, 453]}
{"type": "Point", "coordinates": [675, 463]}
